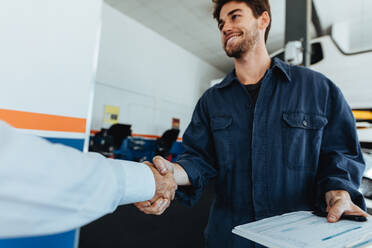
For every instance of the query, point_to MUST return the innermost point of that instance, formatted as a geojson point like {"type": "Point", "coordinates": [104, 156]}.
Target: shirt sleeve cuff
{"type": "Point", "coordinates": [138, 183]}
{"type": "Point", "coordinates": [190, 195]}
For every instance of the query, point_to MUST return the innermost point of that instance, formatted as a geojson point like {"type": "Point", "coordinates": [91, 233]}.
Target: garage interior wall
{"type": "Point", "coordinates": [47, 55]}
{"type": "Point", "coordinates": [150, 78]}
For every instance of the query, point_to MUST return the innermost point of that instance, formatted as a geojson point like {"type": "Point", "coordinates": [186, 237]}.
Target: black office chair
{"type": "Point", "coordinates": [119, 132]}
{"type": "Point", "coordinates": [165, 142]}
{"type": "Point", "coordinates": [102, 143]}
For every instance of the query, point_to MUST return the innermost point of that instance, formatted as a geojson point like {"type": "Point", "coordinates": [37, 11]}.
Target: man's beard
{"type": "Point", "coordinates": [243, 46]}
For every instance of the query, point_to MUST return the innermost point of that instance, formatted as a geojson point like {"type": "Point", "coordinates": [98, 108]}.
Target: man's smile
{"type": "Point", "coordinates": [232, 37]}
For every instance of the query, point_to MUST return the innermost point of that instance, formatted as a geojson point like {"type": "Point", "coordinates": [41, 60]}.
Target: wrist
{"type": "Point", "coordinates": [180, 175]}
{"type": "Point", "coordinates": [334, 195]}
{"type": "Point", "coordinates": [339, 193]}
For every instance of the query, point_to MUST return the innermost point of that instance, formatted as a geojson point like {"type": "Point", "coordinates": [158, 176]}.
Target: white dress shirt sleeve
{"type": "Point", "coordinates": [49, 188]}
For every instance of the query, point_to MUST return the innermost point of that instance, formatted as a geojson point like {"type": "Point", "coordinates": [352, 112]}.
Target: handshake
{"type": "Point", "coordinates": [166, 187]}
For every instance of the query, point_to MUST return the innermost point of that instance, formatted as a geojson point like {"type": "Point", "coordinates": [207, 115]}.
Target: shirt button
{"type": "Point", "coordinates": [304, 123]}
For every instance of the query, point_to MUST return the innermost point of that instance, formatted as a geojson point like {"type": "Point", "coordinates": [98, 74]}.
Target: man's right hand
{"type": "Point", "coordinates": [158, 205]}
{"type": "Point", "coordinates": [165, 190]}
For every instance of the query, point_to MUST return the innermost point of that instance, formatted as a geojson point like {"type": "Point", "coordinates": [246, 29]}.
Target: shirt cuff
{"type": "Point", "coordinates": [190, 195]}
{"type": "Point", "coordinates": [138, 183]}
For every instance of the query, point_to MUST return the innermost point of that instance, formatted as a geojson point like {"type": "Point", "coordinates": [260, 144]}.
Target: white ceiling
{"type": "Point", "coordinates": [189, 23]}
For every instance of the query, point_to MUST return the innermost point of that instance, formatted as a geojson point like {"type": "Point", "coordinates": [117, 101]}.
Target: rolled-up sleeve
{"type": "Point", "coordinates": [341, 163]}
{"type": "Point", "coordinates": [199, 158]}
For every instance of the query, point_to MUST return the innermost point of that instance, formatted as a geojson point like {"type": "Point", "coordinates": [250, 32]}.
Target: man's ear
{"type": "Point", "coordinates": [264, 20]}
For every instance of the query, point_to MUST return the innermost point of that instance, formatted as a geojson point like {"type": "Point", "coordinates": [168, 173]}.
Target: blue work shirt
{"type": "Point", "coordinates": [283, 155]}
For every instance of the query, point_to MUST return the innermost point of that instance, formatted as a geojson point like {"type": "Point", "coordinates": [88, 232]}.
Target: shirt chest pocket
{"type": "Point", "coordinates": [221, 129]}
{"type": "Point", "coordinates": [302, 136]}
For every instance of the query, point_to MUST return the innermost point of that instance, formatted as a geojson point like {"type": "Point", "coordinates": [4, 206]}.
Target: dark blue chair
{"type": "Point", "coordinates": [176, 150]}
{"type": "Point", "coordinates": [136, 149]}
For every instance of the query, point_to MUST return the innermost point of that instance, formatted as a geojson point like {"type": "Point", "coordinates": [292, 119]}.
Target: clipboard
{"type": "Point", "coordinates": [303, 229]}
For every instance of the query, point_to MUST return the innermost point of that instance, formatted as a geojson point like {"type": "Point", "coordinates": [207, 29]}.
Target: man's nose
{"type": "Point", "coordinates": [226, 29]}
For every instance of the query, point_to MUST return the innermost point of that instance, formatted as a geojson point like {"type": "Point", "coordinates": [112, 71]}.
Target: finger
{"type": "Point", "coordinates": [164, 207]}
{"type": "Point", "coordinates": [331, 200]}
{"type": "Point", "coordinates": [139, 204]}
{"type": "Point", "coordinates": [327, 209]}
{"type": "Point", "coordinates": [147, 163]}
{"type": "Point", "coordinates": [172, 191]}
{"type": "Point", "coordinates": [155, 207]}
{"type": "Point", "coordinates": [335, 212]}
{"type": "Point", "coordinates": [168, 194]}
{"type": "Point", "coordinates": [147, 204]}
{"type": "Point", "coordinates": [155, 199]}
{"type": "Point", "coordinates": [359, 213]}
{"type": "Point", "coordinates": [173, 196]}
{"type": "Point", "coordinates": [356, 211]}
{"type": "Point", "coordinates": [143, 204]}
{"type": "Point", "coordinates": [145, 210]}
{"type": "Point", "coordinates": [160, 164]}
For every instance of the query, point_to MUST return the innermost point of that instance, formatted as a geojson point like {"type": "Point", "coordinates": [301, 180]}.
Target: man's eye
{"type": "Point", "coordinates": [234, 17]}
{"type": "Point", "coordinates": [220, 26]}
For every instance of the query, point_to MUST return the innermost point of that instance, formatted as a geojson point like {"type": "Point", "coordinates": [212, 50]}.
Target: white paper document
{"type": "Point", "coordinates": [304, 230]}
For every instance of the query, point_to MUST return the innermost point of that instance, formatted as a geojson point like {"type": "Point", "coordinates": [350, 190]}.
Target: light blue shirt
{"type": "Point", "coordinates": [49, 188]}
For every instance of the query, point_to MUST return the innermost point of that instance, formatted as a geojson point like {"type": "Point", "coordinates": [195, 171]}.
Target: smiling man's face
{"type": "Point", "coordinates": [239, 29]}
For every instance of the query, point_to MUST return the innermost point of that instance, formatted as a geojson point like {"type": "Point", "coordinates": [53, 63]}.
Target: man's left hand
{"type": "Point", "coordinates": [339, 203]}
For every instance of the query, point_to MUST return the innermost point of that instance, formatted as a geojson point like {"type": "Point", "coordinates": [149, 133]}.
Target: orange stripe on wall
{"type": "Point", "coordinates": [45, 122]}
{"type": "Point", "coordinates": [150, 136]}
{"type": "Point", "coordinates": [94, 132]}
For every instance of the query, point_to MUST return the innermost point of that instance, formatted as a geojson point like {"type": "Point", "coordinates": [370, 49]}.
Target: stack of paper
{"type": "Point", "coordinates": [305, 230]}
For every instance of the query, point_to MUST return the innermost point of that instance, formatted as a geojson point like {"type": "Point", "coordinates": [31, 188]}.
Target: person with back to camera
{"type": "Point", "coordinates": [49, 188]}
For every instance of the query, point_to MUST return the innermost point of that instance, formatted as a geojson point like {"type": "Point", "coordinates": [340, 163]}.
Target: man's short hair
{"type": "Point", "coordinates": [257, 7]}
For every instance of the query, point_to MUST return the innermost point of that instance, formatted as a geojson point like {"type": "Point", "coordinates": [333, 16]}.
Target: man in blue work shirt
{"type": "Point", "coordinates": [277, 138]}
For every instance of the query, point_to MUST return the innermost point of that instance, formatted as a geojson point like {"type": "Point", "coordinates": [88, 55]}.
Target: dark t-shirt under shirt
{"type": "Point", "coordinates": [253, 90]}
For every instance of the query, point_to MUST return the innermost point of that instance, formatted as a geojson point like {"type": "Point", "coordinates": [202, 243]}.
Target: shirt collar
{"type": "Point", "coordinates": [283, 67]}
{"type": "Point", "coordinates": [230, 77]}
{"type": "Point", "coordinates": [277, 64]}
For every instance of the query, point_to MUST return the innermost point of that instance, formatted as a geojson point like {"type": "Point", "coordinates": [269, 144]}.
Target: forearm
{"type": "Point", "coordinates": [62, 187]}
{"type": "Point", "coordinates": [341, 164]}
{"type": "Point", "coordinates": [180, 175]}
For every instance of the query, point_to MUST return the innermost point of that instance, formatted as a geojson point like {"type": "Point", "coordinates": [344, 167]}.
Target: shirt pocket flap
{"type": "Point", "coordinates": [305, 121]}
{"type": "Point", "coordinates": [221, 122]}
